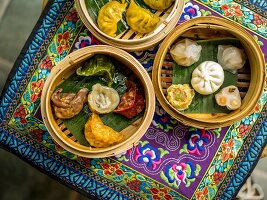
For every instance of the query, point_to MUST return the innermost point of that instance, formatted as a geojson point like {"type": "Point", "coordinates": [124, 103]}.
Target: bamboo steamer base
{"type": "Point", "coordinates": [65, 69]}
{"type": "Point", "coordinates": [250, 78]}
{"type": "Point", "coordinates": [129, 40]}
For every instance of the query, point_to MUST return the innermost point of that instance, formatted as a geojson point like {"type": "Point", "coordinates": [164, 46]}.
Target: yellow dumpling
{"type": "Point", "coordinates": [180, 96]}
{"type": "Point", "coordinates": [158, 4]}
{"type": "Point", "coordinates": [109, 15]}
{"type": "Point", "coordinates": [98, 134]}
{"type": "Point", "coordinates": [141, 20]}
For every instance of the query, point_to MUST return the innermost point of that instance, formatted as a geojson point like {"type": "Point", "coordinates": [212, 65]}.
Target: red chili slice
{"type": "Point", "coordinates": [132, 102]}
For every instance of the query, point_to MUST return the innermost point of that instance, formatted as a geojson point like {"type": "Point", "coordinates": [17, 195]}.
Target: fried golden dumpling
{"type": "Point", "coordinates": [180, 96]}
{"type": "Point", "coordinates": [109, 15]}
{"type": "Point", "coordinates": [158, 4]}
{"type": "Point", "coordinates": [99, 135]}
{"type": "Point", "coordinates": [141, 20]}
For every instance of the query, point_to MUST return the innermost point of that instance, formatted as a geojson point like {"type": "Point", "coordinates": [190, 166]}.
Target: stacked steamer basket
{"type": "Point", "coordinates": [250, 79]}
{"type": "Point", "coordinates": [129, 40]}
{"type": "Point", "coordinates": [64, 70]}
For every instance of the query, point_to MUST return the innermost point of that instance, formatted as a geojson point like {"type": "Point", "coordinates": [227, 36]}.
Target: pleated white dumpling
{"type": "Point", "coordinates": [186, 52]}
{"type": "Point", "coordinates": [231, 58]}
{"type": "Point", "coordinates": [207, 78]}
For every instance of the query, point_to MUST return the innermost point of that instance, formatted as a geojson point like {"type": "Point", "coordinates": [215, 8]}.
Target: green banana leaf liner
{"type": "Point", "coordinates": [182, 75]}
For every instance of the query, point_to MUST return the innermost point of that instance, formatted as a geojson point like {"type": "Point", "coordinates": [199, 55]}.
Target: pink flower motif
{"type": "Point", "coordinates": [190, 11]}
{"type": "Point", "coordinates": [180, 174]}
{"type": "Point", "coordinates": [197, 140]}
{"type": "Point", "coordinates": [149, 155]}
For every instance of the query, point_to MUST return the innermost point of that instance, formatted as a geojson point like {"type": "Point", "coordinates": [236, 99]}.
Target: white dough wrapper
{"type": "Point", "coordinates": [231, 58]}
{"type": "Point", "coordinates": [186, 52]}
{"type": "Point", "coordinates": [207, 78]}
{"type": "Point", "coordinates": [103, 99]}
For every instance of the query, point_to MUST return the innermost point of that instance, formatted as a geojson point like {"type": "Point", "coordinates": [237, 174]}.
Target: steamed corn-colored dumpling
{"type": "Point", "coordinates": [158, 4]}
{"type": "Point", "coordinates": [109, 16]}
{"type": "Point", "coordinates": [99, 135]}
{"type": "Point", "coordinates": [141, 20]}
{"type": "Point", "coordinates": [180, 96]}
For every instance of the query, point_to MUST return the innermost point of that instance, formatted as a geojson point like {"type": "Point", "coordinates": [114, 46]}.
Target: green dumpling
{"type": "Point", "coordinates": [99, 65]}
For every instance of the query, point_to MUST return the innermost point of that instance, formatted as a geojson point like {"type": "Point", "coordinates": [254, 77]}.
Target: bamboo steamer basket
{"type": "Point", "coordinates": [65, 69]}
{"type": "Point", "coordinates": [129, 40]}
{"type": "Point", "coordinates": [250, 80]}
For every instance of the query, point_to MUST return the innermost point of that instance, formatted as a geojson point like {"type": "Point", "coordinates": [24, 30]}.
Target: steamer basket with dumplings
{"type": "Point", "coordinates": [250, 78]}
{"type": "Point", "coordinates": [130, 39]}
{"type": "Point", "coordinates": [64, 71]}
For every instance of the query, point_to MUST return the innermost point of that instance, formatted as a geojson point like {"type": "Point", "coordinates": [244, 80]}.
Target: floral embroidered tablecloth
{"type": "Point", "coordinates": [172, 161]}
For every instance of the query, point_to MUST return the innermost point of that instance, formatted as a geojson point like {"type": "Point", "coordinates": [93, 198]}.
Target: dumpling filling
{"type": "Point", "coordinates": [180, 96]}
{"type": "Point", "coordinates": [229, 97]}
{"type": "Point", "coordinates": [103, 99]}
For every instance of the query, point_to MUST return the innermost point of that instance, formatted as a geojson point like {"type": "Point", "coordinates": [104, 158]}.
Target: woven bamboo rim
{"type": "Point", "coordinates": [67, 67]}
{"type": "Point", "coordinates": [140, 41]}
{"type": "Point", "coordinates": [257, 68]}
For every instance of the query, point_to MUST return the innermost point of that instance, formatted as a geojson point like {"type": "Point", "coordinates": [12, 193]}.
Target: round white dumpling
{"type": "Point", "coordinates": [231, 58]}
{"type": "Point", "coordinates": [186, 52]}
{"type": "Point", "coordinates": [207, 78]}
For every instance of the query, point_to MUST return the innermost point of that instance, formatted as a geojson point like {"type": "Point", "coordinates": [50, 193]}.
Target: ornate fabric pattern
{"type": "Point", "coordinates": [171, 161]}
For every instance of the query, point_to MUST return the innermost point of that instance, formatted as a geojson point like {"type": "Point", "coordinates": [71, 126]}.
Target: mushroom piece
{"type": "Point", "coordinates": [67, 105]}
